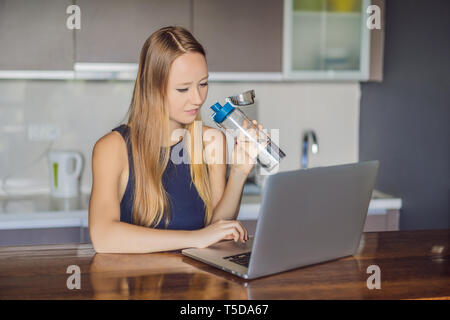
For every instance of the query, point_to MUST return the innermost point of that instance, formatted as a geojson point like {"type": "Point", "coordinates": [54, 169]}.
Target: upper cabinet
{"type": "Point", "coordinates": [326, 39]}
{"type": "Point", "coordinates": [240, 36]}
{"type": "Point", "coordinates": [113, 31]}
{"type": "Point", "coordinates": [249, 40]}
{"type": "Point", "coordinates": [34, 36]}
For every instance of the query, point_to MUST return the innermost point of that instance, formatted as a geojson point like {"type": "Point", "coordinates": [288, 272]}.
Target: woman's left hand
{"type": "Point", "coordinates": [245, 150]}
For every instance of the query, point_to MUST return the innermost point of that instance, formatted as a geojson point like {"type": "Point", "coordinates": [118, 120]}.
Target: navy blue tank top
{"type": "Point", "coordinates": [187, 210]}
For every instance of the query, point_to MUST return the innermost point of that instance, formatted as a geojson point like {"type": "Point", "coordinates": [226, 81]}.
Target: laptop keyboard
{"type": "Point", "coordinates": [241, 258]}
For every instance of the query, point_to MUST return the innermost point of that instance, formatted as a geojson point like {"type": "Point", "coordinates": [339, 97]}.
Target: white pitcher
{"type": "Point", "coordinates": [65, 170]}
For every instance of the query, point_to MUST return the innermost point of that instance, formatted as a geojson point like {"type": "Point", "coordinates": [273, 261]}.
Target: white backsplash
{"type": "Point", "coordinates": [86, 110]}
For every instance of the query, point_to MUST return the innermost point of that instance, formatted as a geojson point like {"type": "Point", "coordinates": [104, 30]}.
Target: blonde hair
{"type": "Point", "coordinates": [149, 126]}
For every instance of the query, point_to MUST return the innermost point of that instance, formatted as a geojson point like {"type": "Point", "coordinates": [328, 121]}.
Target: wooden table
{"type": "Point", "coordinates": [413, 265]}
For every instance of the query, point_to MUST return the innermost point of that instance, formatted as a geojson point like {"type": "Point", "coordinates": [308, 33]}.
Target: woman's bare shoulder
{"type": "Point", "coordinates": [111, 141]}
{"type": "Point", "coordinates": [110, 150]}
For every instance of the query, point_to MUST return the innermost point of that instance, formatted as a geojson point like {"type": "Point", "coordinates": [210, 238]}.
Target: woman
{"type": "Point", "coordinates": [141, 201]}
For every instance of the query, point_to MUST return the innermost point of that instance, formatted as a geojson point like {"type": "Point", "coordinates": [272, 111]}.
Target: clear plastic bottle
{"type": "Point", "coordinates": [231, 118]}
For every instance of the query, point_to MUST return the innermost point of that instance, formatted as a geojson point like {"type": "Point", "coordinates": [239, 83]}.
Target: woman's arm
{"type": "Point", "coordinates": [228, 206]}
{"type": "Point", "coordinates": [121, 237]}
{"type": "Point", "coordinates": [227, 195]}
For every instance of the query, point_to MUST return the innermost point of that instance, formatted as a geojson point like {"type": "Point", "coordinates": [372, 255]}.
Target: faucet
{"type": "Point", "coordinates": [305, 146]}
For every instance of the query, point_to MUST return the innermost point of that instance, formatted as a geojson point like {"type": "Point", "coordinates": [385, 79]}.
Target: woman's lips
{"type": "Point", "coordinates": [192, 112]}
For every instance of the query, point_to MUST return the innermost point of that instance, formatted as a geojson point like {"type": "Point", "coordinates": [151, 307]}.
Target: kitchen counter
{"type": "Point", "coordinates": [44, 211]}
{"type": "Point", "coordinates": [413, 265]}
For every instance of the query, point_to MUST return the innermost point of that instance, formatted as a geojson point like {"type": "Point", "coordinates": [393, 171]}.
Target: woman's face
{"type": "Point", "coordinates": [187, 87]}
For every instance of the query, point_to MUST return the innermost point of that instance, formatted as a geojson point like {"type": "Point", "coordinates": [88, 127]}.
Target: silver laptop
{"type": "Point", "coordinates": [306, 217]}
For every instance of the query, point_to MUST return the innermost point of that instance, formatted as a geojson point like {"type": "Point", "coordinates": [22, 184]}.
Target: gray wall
{"type": "Point", "coordinates": [405, 119]}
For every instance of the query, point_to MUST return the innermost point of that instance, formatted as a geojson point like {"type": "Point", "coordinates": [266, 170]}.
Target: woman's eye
{"type": "Point", "coordinates": [186, 89]}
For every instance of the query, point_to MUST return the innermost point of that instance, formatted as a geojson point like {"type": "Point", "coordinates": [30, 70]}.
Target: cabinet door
{"type": "Point", "coordinates": [326, 39]}
{"type": "Point", "coordinates": [240, 36]}
{"type": "Point", "coordinates": [113, 31]}
{"type": "Point", "coordinates": [377, 45]}
{"type": "Point", "coordinates": [20, 237]}
{"type": "Point", "coordinates": [34, 35]}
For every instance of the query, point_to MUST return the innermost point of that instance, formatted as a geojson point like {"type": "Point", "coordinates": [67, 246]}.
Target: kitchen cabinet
{"type": "Point", "coordinates": [113, 31]}
{"type": "Point", "coordinates": [377, 45]}
{"type": "Point", "coordinates": [326, 40]}
{"type": "Point", "coordinates": [43, 219]}
{"type": "Point", "coordinates": [34, 35]}
{"type": "Point", "coordinates": [19, 237]}
{"type": "Point", "coordinates": [240, 36]}
{"type": "Point", "coordinates": [248, 40]}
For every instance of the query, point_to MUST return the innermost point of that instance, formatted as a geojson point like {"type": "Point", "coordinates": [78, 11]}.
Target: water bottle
{"type": "Point", "coordinates": [231, 118]}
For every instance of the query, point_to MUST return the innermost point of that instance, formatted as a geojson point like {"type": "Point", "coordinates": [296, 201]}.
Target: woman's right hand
{"type": "Point", "coordinates": [220, 230]}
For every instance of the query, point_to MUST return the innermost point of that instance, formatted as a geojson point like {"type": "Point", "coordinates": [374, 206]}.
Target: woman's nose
{"type": "Point", "coordinates": [196, 97]}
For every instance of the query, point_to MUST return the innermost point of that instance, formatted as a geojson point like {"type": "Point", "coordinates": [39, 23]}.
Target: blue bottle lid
{"type": "Point", "coordinates": [221, 112]}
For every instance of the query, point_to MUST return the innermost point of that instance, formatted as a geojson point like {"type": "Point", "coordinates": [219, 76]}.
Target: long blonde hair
{"type": "Point", "coordinates": [149, 126]}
